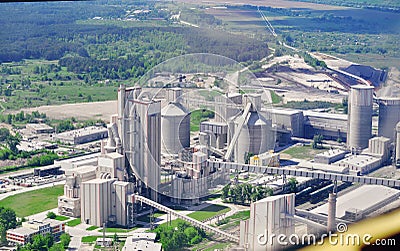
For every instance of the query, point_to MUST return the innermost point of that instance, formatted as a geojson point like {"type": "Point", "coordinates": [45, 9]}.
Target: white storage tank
{"type": "Point", "coordinates": [175, 128]}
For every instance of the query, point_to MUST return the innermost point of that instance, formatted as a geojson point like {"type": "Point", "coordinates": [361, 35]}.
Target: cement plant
{"type": "Point", "coordinates": [296, 149]}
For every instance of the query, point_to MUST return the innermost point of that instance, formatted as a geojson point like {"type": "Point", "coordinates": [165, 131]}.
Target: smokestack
{"type": "Point", "coordinates": [331, 212]}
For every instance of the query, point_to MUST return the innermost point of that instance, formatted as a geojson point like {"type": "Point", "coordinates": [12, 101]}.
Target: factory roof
{"type": "Point", "coordinates": [141, 241]}
{"type": "Point", "coordinates": [40, 126]}
{"type": "Point", "coordinates": [22, 231]}
{"type": "Point", "coordinates": [271, 198]}
{"type": "Point", "coordinates": [358, 160]}
{"type": "Point", "coordinates": [114, 155]}
{"type": "Point", "coordinates": [325, 115]}
{"type": "Point", "coordinates": [84, 169]}
{"type": "Point", "coordinates": [283, 111]}
{"type": "Point", "coordinates": [98, 181]}
{"type": "Point", "coordinates": [324, 167]}
{"type": "Point", "coordinates": [380, 138]}
{"type": "Point", "coordinates": [83, 131]}
{"type": "Point", "coordinates": [208, 122]}
{"type": "Point", "coordinates": [362, 198]}
{"type": "Point", "coordinates": [331, 153]}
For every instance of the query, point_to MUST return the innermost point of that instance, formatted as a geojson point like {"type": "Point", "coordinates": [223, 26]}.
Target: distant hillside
{"type": "Point", "coordinates": [390, 5]}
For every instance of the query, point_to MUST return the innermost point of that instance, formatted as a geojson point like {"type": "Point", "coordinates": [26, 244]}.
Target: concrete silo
{"type": "Point", "coordinates": [397, 156]}
{"type": "Point", "coordinates": [360, 116]}
{"type": "Point", "coordinates": [175, 128]}
{"type": "Point", "coordinates": [254, 137]}
{"type": "Point", "coordinates": [389, 116]}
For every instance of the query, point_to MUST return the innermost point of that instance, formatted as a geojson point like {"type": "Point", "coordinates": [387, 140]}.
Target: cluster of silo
{"type": "Point", "coordinates": [389, 116]}
{"type": "Point", "coordinates": [175, 124]}
{"type": "Point", "coordinates": [360, 116]}
{"type": "Point", "coordinates": [255, 134]}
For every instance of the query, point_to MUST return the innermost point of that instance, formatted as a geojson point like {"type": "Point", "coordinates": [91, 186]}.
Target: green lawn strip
{"type": "Point", "coordinates": [74, 222]}
{"type": "Point", "coordinates": [276, 99]}
{"type": "Point", "coordinates": [33, 202]}
{"type": "Point", "coordinates": [61, 218]}
{"type": "Point", "coordinates": [91, 228]}
{"type": "Point", "coordinates": [208, 212]}
{"type": "Point", "coordinates": [90, 239]}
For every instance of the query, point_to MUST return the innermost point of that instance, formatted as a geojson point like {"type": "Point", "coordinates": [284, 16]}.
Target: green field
{"type": "Point", "coordinates": [91, 228]}
{"type": "Point", "coordinates": [74, 222]}
{"type": "Point", "coordinates": [62, 218]}
{"type": "Point", "coordinates": [276, 99]}
{"type": "Point", "coordinates": [302, 152]}
{"type": "Point", "coordinates": [208, 212]}
{"type": "Point", "coordinates": [90, 239]}
{"type": "Point", "coordinates": [33, 202]}
{"type": "Point", "coordinates": [198, 116]}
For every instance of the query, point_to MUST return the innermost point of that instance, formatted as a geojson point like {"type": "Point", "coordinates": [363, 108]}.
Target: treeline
{"type": "Point", "coordinates": [386, 5]}
{"type": "Point", "coordinates": [176, 238]}
{"type": "Point", "coordinates": [245, 193]}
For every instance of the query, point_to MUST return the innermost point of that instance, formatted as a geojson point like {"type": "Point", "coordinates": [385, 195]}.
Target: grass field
{"type": "Point", "coordinates": [91, 228]}
{"type": "Point", "coordinates": [302, 152]}
{"type": "Point", "coordinates": [276, 99]}
{"type": "Point", "coordinates": [62, 218]}
{"type": "Point", "coordinates": [209, 212]}
{"type": "Point", "coordinates": [89, 239]}
{"type": "Point", "coordinates": [74, 222]}
{"type": "Point", "coordinates": [33, 202]}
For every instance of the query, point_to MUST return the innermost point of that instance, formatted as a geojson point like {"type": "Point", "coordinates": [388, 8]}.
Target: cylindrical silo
{"type": "Point", "coordinates": [389, 116]}
{"type": "Point", "coordinates": [254, 138]}
{"type": "Point", "coordinates": [360, 116]}
{"type": "Point", "coordinates": [397, 156]}
{"type": "Point", "coordinates": [175, 128]}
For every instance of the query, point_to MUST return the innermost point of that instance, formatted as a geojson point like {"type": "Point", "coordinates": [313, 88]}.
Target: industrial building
{"type": "Point", "coordinates": [357, 203]}
{"type": "Point", "coordinates": [141, 242]}
{"type": "Point", "coordinates": [82, 135]}
{"type": "Point", "coordinates": [24, 234]}
{"type": "Point", "coordinates": [329, 156]}
{"type": "Point", "coordinates": [39, 128]}
{"type": "Point", "coordinates": [269, 216]}
{"type": "Point", "coordinates": [359, 117]}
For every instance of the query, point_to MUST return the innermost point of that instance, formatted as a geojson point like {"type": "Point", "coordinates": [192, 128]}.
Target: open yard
{"type": "Point", "coordinates": [33, 202]}
{"type": "Point", "coordinates": [301, 152]}
{"type": "Point", "coordinates": [209, 212]}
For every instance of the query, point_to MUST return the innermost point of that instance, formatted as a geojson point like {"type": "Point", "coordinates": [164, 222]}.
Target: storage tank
{"type": "Point", "coordinates": [360, 116]}
{"type": "Point", "coordinates": [397, 156]}
{"type": "Point", "coordinates": [254, 138]}
{"type": "Point", "coordinates": [389, 116]}
{"type": "Point", "coordinates": [175, 128]}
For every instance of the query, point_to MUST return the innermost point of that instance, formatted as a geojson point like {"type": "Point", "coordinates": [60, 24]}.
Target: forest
{"type": "Point", "coordinates": [108, 51]}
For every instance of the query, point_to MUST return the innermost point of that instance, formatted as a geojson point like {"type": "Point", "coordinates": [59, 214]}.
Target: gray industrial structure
{"type": "Point", "coordinates": [389, 116]}
{"type": "Point", "coordinates": [360, 117]}
{"type": "Point", "coordinates": [271, 216]}
{"type": "Point", "coordinates": [175, 124]}
{"type": "Point", "coordinates": [397, 155]}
